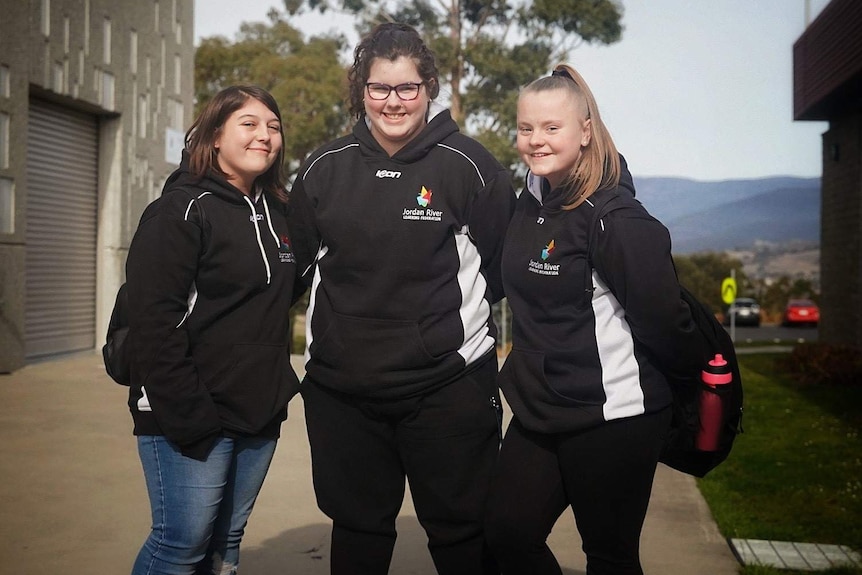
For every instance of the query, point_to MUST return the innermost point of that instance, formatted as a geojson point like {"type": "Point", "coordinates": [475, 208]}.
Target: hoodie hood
{"type": "Point", "coordinates": [212, 182]}
{"type": "Point", "coordinates": [536, 185]}
{"type": "Point", "coordinates": [439, 126]}
{"type": "Point", "coordinates": [218, 186]}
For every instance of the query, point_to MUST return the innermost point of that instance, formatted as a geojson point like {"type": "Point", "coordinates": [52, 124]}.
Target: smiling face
{"type": "Point", "coordinates": [248, 144]}
{"type": "Point", "coordinates": [552, 131]}
{"type": "Point", "coordinates": [394, 122]}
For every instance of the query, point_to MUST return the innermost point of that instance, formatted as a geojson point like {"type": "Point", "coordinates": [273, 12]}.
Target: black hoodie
{"type": "Point", "coordinates": [210, 277]}
{"type": "Point", "coordinates": [588, 339]}
{"type": "Point", "coordinates": [403, 257]}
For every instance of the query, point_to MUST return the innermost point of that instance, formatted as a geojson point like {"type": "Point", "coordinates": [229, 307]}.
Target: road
{"type": "Point", "coordinates": [772, 333]}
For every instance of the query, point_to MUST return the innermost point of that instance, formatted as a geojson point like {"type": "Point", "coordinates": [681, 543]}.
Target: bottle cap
{"type": "Point", "coordinates": [717, 372]}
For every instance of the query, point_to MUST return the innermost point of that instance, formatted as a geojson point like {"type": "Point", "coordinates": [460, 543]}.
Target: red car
{"type": "Point", "coordinates": [801, 312]}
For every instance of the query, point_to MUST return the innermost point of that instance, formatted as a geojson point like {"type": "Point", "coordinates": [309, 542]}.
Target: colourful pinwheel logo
{"type": "Point", "coordinates": [549, 249]}
{"type": "Point", "coordinates": [424, 197]}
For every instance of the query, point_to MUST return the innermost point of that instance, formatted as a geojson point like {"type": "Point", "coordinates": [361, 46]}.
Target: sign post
{"type": "Point", "coordinates": [728, 296]}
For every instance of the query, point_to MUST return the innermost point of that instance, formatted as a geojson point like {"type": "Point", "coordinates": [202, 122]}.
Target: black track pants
{"type": "Point", "coordinates": [604, 473]}
{"type": "Point", "coordinates": [445, 443]}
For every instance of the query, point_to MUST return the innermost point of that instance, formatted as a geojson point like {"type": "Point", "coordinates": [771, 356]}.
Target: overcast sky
{"type": "Point", "coordinates": [699, 89]}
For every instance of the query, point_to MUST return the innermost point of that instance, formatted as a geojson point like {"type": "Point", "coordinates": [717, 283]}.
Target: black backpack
{"type": "Point", "coordinates": [679, 451]}
{"type": "Point", "coordinates": [115, 351]}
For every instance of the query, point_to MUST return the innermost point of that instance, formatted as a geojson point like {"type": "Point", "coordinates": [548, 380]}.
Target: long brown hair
{"type": "Point", "coordinates": [203, 133]}
{"type": "Point", "coordinates": [598, 166]}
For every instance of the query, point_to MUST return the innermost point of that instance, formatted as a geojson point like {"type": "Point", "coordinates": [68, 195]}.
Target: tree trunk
{"type": "Point", "coordinates": [456, 72]}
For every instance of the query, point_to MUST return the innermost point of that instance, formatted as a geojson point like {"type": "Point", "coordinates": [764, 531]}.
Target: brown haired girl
{"type": "Point", "coordinates": [400, 230]}
{"type": "Point", "coordinates": [210, 277]}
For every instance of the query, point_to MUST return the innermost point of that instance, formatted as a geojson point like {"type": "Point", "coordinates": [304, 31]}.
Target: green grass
{"type": "Point", "coordinates": [795, 474]}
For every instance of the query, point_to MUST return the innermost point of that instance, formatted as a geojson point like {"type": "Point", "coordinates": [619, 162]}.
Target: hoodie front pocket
{"type": "Point", "coordinates": [524, 370]}
{"type": "Point", "coordinates": [364, 345]}
{"type": "Point", "coordinates": [259, 383]}
{"type": "Point", "coordinates": [534, 401]}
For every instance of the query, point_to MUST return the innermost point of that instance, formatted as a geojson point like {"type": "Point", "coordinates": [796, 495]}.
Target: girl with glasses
{"type": "Point", "coordinates": [404, 219]}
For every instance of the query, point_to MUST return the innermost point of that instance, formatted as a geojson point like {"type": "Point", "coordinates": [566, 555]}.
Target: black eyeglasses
{"type": "Point", "coordinates": [405, 91]}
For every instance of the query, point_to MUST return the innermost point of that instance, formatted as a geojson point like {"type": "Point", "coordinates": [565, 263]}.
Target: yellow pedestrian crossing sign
{"type": "Point", "coordinates": [728, 290]}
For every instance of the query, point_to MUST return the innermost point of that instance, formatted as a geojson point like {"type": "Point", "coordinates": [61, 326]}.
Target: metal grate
{"type": "Point", "coordinates": [61, 214]}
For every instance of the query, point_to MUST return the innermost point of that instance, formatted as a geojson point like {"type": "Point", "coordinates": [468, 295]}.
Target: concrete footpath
{"type": "Point", "coordinates": [72, 496]}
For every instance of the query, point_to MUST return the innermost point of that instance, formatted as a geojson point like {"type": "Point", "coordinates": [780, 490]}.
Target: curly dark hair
{"type": "Point", "coordinates": [391, 41]}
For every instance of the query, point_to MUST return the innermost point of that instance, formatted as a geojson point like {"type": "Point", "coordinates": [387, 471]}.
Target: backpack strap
{"type": "Point", "coordinates": [606, 202]}
{"type": "Point", "coordinates": [116, 351]}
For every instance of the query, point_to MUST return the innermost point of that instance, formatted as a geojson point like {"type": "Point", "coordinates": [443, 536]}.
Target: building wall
{"type": "Point", "coordinates": [827, 85]}
{"type": "Point", "coordinates": [13, 107]}
{"type": "Point", "coordinates": [841, 232]}
{"type": "Point", "coordinates": [130, 63]}
{"type": "Point", "coordinates": [827, 62]}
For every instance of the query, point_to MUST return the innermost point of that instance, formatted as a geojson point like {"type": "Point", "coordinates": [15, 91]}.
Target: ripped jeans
{"type": "Point", "coordinates": [199, 508]}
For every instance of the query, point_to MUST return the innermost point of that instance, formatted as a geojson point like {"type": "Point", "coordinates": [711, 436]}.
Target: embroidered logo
{"type": "Point", "coordinates": [424, 197]}
{"type": "Point", "coordinates": [424, 212]}
{"type": "Point", "coordinates": [285, 251]}
{"type": "Point", "coordinates": [549, 249]}
{"type": "Point", "coordinates": [388, 174]}
{"type": "Point", "coordinates": [543, 267]}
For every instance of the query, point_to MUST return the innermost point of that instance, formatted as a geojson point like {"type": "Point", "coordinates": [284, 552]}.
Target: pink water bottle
{"type": "Point", "coordinates": [716, 375]}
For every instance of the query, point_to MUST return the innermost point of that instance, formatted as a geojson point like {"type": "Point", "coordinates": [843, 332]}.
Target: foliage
{"type": "Point", "coordinates": [488, 49]}
{"type": "Point", "coordinates": [502, 315]}
{"type": "Point", "coordinates": [297, 323]}
{"type": "Point", "coordinates": [794, 475]}
{"type": "Point", "coordinates": [773, 295]}
{"type": "Point", "coordinates": [824, 364]}
{"type": "Point", "coordinates": [703, 273]}
{"type": "Point", "coordinates": [305, 77]}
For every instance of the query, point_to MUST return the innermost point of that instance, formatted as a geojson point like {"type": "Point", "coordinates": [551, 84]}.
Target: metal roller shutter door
{"type": "Point", "coordinates": [62, 155]}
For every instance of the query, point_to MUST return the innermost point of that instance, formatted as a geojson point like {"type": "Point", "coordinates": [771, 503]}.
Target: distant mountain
{"type": "Point", "coordinates": [733, 214]}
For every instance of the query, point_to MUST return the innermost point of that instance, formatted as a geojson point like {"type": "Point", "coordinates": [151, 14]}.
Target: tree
{"type": "Point", "coordinates": [488, 49]}
{"type": "Point", "coordinates": [774, 294]}
{"type": "Point", "coordinates": [305, 77]}
{"type": "Point", "coordinates": [702, 274]}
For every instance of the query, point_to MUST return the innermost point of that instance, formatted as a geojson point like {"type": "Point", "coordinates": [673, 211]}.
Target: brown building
{"type": "Point", "coordinates": [94, 98]}
{"type": "Point", "coordinates": [827, 85]}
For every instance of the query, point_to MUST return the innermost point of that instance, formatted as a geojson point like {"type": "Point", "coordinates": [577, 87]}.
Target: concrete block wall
{"type": "Point", "coordinates": [130, 63]}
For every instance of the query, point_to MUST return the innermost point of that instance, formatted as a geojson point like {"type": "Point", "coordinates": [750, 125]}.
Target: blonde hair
{"type": "Point", "coordinates": [598, 166]}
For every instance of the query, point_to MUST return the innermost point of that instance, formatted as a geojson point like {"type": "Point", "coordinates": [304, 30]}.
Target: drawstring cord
{"type": "Point", "coordinates": [269, 223]}
{"type": "Point", "coordinates": [257, 234]}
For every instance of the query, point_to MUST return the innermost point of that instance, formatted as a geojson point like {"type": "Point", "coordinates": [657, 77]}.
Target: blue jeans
{"type": "Point", "coordinates": [200, 508]}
